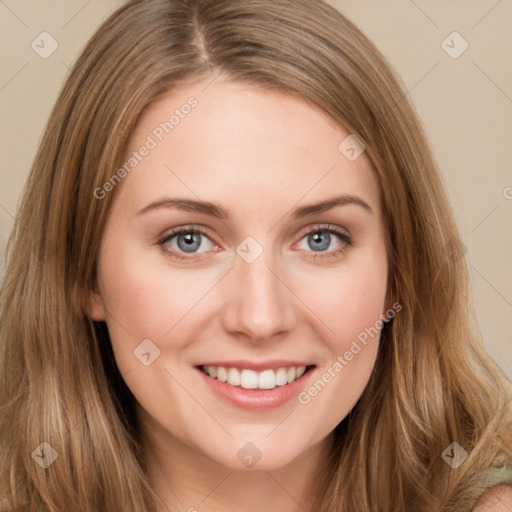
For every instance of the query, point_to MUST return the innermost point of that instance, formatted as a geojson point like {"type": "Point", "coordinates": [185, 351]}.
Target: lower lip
{"type": "Point", "coordinates": [257, 399]}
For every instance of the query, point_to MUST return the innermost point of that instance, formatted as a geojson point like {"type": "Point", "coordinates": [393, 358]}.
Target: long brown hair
{"type": "Point", "coordinates": [433, 383]}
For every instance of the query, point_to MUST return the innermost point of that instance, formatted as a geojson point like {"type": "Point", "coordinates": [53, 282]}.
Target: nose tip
{"type": "Point", "coordinates": [260, 304]}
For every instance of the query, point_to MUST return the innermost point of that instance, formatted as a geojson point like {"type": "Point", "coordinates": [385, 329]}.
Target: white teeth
{"type": "Point", "coordinates": [222, 374]}
{"type": "Point", "coordinates": [281, 377]}
{"type": "Point", "coordinates": [250, 379]}
{"type": "Point", "coordinates": [267, 379]}
{"type": "Point", "coordinates": [234, 377]}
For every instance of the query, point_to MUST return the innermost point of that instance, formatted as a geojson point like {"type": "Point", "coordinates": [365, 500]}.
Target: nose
{"type": "Point", "coordinates": [260, 304]}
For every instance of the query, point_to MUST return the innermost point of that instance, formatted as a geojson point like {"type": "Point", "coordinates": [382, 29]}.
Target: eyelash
{"type": "Point", "coordinates": [321, 228]}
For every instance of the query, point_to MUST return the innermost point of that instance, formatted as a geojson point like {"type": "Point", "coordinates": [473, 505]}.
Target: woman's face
{"type": "Point", "coordinates": [281, 264]}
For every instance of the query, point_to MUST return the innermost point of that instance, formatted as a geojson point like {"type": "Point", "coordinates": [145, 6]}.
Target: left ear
{"type": "Point", "coordinates": [94, 308]}
{"type": "Point", "coordinates": [389, 300]}
{"type": "Point", "coordinates": [90, 302]}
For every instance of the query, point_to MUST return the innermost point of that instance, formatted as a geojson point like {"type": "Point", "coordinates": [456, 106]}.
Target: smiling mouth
{"type": "Point", "coordinates": [251, 379]}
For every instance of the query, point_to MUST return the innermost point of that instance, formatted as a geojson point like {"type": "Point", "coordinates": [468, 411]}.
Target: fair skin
{"type": "Point", "coordinates": [260, 155]}
{"type": "Point", "coordinates": [495, 499]}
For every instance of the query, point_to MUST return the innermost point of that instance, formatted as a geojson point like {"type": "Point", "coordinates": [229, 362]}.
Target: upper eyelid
{"type": "Point", "coordinates": [322, 226]}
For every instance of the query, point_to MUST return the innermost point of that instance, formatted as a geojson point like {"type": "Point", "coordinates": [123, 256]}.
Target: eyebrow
{"type": "Point", "coordinates": [218, 211]}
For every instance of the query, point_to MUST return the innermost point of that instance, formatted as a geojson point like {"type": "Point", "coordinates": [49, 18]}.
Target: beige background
{"type": "Point", "coordinates": [465, 104]}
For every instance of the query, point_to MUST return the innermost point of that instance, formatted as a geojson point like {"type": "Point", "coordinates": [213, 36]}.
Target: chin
{"type": "Point", "coordinates": [258, 455]}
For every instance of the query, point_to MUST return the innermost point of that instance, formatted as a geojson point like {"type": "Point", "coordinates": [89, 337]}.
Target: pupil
{"type": "Point", "coordinates": [192, 242]}
{"type": "Point", "coordinates": [322, 238]}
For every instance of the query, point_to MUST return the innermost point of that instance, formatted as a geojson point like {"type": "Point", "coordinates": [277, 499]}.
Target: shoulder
{"type": "Point", "coordinates": [497, 498]}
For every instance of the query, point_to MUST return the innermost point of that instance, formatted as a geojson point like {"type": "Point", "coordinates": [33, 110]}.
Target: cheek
{"type": "Point", "coordinates": [351, 298]}
{"type": "Point", "coordinates": [355, 304]}
{"type": "Point", "coordinates": [146, 299]}
{"type": "Point", "coordinates": [350, 303]}
{"type": "Point", "coordinates": [145, 295]}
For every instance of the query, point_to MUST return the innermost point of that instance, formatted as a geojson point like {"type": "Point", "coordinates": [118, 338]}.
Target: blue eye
{"type": "Point", "coordinates": [185, 242]}
{"type": "Point", "coordinates": [321, 240]}
{"type": "Point", "coordinates": [189, 242]}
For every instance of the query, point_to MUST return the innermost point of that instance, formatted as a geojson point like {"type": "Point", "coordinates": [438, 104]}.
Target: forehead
{"type": "Point", "coordinates": [225, 140]}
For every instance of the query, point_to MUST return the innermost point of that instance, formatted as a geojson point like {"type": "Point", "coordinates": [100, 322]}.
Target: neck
{"type": "Point", "coordinates": [190, 481]}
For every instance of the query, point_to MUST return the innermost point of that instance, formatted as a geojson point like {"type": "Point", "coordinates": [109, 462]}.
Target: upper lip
{"type": "Point", "coordinates": [273, 364]}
